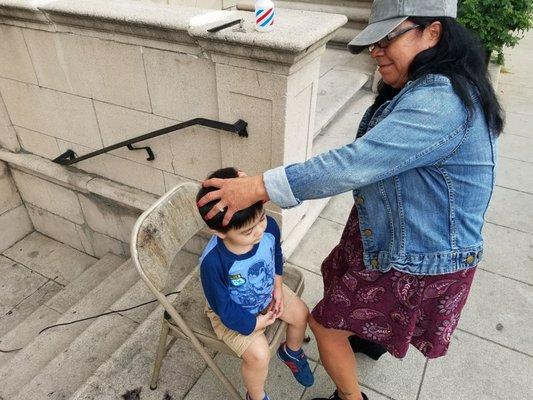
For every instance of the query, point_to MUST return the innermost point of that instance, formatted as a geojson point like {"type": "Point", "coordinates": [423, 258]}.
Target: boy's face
{"type": "Point", "coordinates": [249, 234]}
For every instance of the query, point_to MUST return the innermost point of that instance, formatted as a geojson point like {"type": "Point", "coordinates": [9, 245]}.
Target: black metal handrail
{"type": "Point", "coordinates": [239, 127]}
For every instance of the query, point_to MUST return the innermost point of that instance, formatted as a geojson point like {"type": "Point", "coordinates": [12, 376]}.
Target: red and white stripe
{"type": "Point", "coordinates": [263, 15]}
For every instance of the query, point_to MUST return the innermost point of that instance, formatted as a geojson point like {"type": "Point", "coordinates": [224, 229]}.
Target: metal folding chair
{"type": "Point", "coordinates": [159, 234]}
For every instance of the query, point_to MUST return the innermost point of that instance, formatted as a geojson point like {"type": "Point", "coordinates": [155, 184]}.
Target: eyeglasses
{"type": "Point", "coordinates": [383, 43]}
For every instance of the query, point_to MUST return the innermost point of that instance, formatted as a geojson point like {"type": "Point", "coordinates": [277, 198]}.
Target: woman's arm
{"type": "Point", "coordinates": [426, 125]}
{"type": "Point", "coordinates": [424, 128]}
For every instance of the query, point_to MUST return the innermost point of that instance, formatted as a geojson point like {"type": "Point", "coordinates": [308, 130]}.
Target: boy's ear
{"type": "Point", "coordinates": [219, 234]}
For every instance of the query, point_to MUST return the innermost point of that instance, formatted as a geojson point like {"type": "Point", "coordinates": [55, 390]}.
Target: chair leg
{"type": "Point", "coordinates": [161, 351]}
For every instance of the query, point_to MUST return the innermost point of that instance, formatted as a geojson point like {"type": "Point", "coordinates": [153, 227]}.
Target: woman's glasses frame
{"type": "Point", "coordinates": [383, 43]}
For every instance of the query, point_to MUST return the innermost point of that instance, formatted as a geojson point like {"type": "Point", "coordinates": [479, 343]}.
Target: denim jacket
{"type": "Point", "coordinates": [422, 174]}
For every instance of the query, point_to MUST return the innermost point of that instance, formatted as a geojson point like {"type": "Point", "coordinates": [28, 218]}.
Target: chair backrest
{"type": "Point", "coordinates": [160, 234]}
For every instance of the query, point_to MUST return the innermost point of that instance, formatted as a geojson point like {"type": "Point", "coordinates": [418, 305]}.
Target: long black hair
{"type": "Point", "coordinates": [461, 57]}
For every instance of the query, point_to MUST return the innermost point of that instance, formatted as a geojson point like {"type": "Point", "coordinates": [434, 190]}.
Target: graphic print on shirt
{"type": "Point", "coordinates": [251, 287]}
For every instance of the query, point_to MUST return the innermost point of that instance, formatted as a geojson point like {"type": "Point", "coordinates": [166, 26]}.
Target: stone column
{"type": "Point", "coordinates": [270, 80]}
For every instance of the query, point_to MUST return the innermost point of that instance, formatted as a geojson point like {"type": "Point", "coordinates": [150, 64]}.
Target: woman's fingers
{"type": "Point", "coordinates": [233, 194]}
{"type": "Point", "coordinates": [215, 182]}
{"type": "Point", "coordinates": [215, 210]}
{"type": "Point", "coordinates": [209, 197]}
{"type": "Point", "coordinates": [228, 216]}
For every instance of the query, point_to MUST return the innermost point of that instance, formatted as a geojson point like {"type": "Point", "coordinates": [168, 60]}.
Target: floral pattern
{"type": "Point", "coordinates": [377, 332]}
{"type": "Point", "coordinates": [365, 314]}
{"type": "Point", "coordinates": [446, 329]}
{"type": "Point", "coordinates": [394, 309]}
{"type": "Point", "coordinates": [370, 294]}
{"type": "Point", "coordinates": [450, 303]}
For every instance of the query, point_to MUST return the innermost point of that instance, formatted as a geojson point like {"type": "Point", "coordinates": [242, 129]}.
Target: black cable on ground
{"type": "Point", "coordinates": [93, 317]}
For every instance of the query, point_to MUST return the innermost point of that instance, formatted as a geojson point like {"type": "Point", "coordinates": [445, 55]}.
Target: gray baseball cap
{"type": "Point", "coordinates": [388, 14]}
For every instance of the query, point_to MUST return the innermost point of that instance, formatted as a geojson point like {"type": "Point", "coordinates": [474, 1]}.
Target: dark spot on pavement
{"type": "Point", "coordinates": [132, 394]}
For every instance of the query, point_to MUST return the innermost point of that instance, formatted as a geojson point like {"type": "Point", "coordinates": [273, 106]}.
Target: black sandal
{"type": "Point", "coordinates": [371, 349]}
{"type": "Point", "coordinates": [335, 396]}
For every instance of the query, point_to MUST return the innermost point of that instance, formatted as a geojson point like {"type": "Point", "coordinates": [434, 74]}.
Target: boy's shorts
{"type": "Point", "coordinates": [235, 340]}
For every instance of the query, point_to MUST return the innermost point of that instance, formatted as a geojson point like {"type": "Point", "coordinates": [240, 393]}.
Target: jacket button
{"type": "Point", "coordinates": [367, 232]}
{"type": "Point", "coordinates": [374, 263]}
{"type": "Point", "coordinates": [470, 259]}
{"type": "Point", "coordinates": [360, 200]}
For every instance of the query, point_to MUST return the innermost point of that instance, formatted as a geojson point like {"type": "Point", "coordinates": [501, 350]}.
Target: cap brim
{"type": "Point", "coordinates": [373, 33]}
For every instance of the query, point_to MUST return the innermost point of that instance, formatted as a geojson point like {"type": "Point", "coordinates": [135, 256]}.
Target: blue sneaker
{"type": "Point", "coordinates": [297, 364]}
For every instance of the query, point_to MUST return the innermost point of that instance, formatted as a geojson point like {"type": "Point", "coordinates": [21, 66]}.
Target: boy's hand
{"type": "Point", "coordinates": [264, 320]}
{"type": "Point", "coordinates": [277, 297]}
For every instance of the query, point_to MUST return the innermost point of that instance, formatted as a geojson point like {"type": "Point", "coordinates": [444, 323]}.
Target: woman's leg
{"type": "Point", "coordinates": [338, 359]}
{"type": "Point", "coordinates": [254, 368]}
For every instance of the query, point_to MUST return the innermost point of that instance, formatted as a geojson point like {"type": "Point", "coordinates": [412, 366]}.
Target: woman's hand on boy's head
{"type": "Point", "coordinates": [234, 195]}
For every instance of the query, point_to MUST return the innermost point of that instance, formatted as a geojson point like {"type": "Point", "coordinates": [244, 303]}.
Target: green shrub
{"type": "Point", "coordinates": [499, 23]}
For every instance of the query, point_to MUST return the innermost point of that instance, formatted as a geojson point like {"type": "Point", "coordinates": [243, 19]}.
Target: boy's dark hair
{"type": "Point", "coordinates": [239, 219]}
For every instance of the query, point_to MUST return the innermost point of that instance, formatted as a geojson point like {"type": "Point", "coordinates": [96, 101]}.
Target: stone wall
{"type": "Point", "coordinates": [91, 214]}
{"type": "Point", "coordinates": [14, 220]}
{"type": "Point", "coordinates": [84, 75]}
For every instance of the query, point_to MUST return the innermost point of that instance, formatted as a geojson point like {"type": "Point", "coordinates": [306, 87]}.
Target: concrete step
{"type": "Point", "coordinates": [354, 10]}
{"type": "Point", "coordinates": [49, 312]}
{"type": "Point", "coordinates": [29, 362]}
{"type": "Point", "coordinates": [137, 294]}
{"type": "Point", "coordinates": [44, 259]}
{"type": "Point", "coordinates": [343, 128]}
{"type": "Point", "coordinates": [50, 258]}
{"type": "Point", "coordinates": [346, 33]}
{"type": "Point", "coordinates": [65, 373]}
{"type": "Point", "coordinates": [342, 76]}
{"type": "Point", "coordinates": [130, 366]}
{"type": "Point", "coordinates": [335, 90]}
{"type": "Point", "coordinates": [21, 311]}
{"type": "Point", "coordinates": [341, 131]}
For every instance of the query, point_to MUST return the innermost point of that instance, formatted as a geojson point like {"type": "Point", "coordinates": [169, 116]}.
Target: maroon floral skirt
{"type": "Point", "coordinates": [393, 309]}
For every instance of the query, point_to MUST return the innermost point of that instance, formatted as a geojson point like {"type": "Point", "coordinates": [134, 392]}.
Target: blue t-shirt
{"type": "Point", "coordinates": [239, 286]}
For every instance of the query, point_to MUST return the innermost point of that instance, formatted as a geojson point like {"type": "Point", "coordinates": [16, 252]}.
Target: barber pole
{"type": "Point", "coordinates": [264, 15]}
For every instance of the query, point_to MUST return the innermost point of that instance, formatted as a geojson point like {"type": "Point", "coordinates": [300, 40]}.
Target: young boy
{"type": "Point", "coordinates": [241, 270]}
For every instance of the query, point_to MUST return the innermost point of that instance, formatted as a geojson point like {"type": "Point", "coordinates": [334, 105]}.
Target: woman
{"type": "Point", "coordinates": [422, 174]}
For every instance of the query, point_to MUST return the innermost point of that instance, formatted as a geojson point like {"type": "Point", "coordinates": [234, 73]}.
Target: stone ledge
{"type": "Point", "coordinates": [45, 169]}
{"type": "Point", "coordinates": [125, 16]}
{"type": "Point", "coordinates": [122, 194]}
{"type": "Point", "coordinates": [297, 32]}
{"type": "Point", "coordinates": [79, 181]}
{"type": "Point", "coordinates": [26, 10]}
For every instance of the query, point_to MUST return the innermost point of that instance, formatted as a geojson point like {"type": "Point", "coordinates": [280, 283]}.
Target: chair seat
{"type": "Point", "coordinates": [190, 303]}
